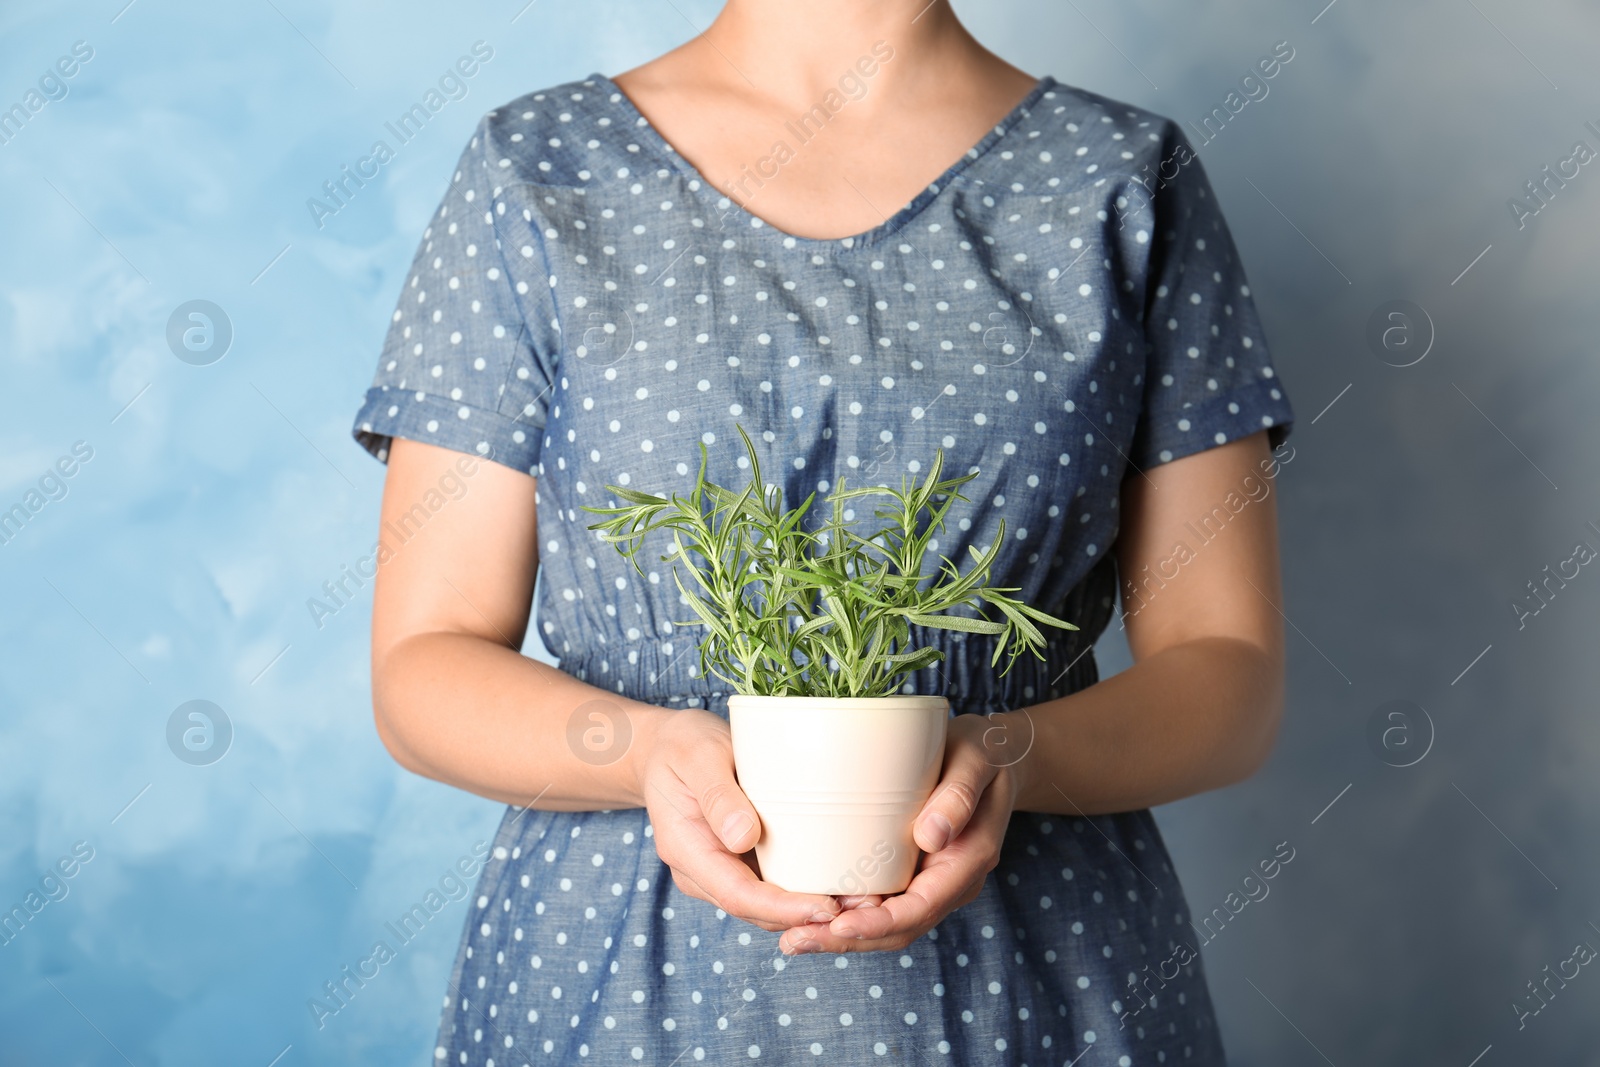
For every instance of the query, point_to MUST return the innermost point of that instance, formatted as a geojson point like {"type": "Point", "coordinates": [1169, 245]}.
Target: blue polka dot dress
{"type": "Point", "coordinates": [1063, 309]}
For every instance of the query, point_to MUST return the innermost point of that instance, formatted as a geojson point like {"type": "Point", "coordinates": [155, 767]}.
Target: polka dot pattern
{"type": "Point", "coordinates": [565, 962]}
{"type": "Point", "coordinates": [584, 307]}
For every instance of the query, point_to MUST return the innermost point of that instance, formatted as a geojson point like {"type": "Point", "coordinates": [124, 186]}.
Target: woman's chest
{"type": "Point", "coordinates": [996, 329]}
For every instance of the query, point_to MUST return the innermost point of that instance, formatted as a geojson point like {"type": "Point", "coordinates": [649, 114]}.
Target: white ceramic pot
{"type": "Point", "coordinates": [837, 782]}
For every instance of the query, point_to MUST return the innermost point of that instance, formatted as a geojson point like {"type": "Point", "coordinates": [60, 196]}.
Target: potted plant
{"type": "Point", "coordinates": [813, 631]}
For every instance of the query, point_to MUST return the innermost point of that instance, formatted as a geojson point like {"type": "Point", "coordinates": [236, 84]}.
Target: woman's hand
{"type": "Point", "coordinates": [704, 823]}
{"type": "Point", "coordinates": [960, 828]}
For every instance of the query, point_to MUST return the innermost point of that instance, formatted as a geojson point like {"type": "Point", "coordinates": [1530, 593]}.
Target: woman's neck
{"type": "Point", "coordinates": [823, 117]}
{"type": "Point", "coordinates": [792, 53]}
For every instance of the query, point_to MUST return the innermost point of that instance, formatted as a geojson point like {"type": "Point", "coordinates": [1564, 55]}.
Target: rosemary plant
{"type": "Point", "coordinates": [828, 613]}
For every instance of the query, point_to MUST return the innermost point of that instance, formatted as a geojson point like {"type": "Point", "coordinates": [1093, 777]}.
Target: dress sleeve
{"type": "Point", "coordinates": [469, 359]}
{"type": "Point", "coordinates": [1209, 378]}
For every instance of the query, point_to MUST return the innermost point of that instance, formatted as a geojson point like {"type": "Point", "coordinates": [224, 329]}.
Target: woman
{"type": "Point", "coordinates": [864, 237]}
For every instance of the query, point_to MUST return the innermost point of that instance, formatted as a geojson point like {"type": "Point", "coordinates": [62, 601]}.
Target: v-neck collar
{"type": "Point", "coordinates": [866, 238]}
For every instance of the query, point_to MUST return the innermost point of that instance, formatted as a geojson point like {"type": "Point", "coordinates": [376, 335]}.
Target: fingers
{"type": "Point", "coordinates": [734, 887]}
{"type": "Point", "coordinates": [702, 868]}
{"type": "Point", "coordinates": [807, 938]}
{"type": "Point", "coordinates": [812, 930]}
{"type": "Point", "coordinates": [950, 878]}
{"type": "Point", "coordinates": [690, 887]}
{"type": "Point", "coordinates": [694, 797]}
{"type": "Point", "coordinates": [966, 776]}
{"type": "Point", "coordinates": [936, 891]}
{"type": "Point", "coordinates": [902, 920]}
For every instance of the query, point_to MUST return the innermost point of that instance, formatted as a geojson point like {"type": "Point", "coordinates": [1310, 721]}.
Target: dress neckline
{"type": "Point", "coordinates": [867, 237]}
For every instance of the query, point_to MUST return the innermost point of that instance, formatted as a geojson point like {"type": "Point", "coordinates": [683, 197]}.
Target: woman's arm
{"type": "Point", "coordinates": [1197, 710]}
{"type": "Point", "coordinates": [1200, 706]}
{"type": "Point", "coordinates": [453, 697]}
{"type": "Point", "coordinates": [455, 700]}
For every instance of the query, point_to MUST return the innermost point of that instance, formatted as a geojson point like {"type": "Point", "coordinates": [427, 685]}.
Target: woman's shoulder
{"type": "Point", "coordinates": [1069, 122]}
{"type": "Point", "coordinates": [567, 134]}
{"type": "Point", "coordinates": [1064, 98]}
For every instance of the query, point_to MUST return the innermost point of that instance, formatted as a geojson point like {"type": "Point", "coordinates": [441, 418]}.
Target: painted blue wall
{"type": "Point", "coordinates": [219, 498]}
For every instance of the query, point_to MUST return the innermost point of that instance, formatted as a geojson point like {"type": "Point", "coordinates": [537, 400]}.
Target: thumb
{"type": "Point", "coordinates": [727, 810]}
{"type": "Point", "coordinates": [950, 808]}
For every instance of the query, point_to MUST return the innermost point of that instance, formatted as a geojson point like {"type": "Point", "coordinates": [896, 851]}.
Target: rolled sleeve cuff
{"type": "Point", "coordinates": [388, 413]}
{"type": "Point", "coordinates": [1237, 413]}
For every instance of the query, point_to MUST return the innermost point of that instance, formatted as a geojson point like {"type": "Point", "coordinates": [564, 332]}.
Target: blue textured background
{"type": "Point", "coordinates": [178, 565]}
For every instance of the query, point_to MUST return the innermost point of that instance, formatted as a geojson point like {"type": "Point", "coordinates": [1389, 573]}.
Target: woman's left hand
{"type": "Point", "coordinates": [960, 828]}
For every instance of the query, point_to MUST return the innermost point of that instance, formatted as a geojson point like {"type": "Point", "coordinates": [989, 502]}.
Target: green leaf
{"type": "Point", "coordinates": [634, 496]}
{"type": "Point", "coordinates": [914, 661]}
{"type": "Point", "coordinates": [1044, 617]}
{"type": "Point", "coordinates": [958, 622]}
{"type": "Point", "coordinates": [830, 611]}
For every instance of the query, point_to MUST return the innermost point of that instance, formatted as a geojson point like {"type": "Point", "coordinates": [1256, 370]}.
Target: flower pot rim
{"type": "Point", "coordinates": [894, 702]}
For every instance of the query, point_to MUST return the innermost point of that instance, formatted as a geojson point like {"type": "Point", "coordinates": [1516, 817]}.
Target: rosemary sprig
{"type": "Point", "coordinates": [792, 612]}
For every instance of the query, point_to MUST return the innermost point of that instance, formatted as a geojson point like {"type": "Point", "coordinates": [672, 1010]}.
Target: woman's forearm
{"type": "Point", "coordinates": [479, 716]}
{"type": "Point", "coordinates": [484, 718]}
{"type": "Point", "coordinates": [1196, 716]}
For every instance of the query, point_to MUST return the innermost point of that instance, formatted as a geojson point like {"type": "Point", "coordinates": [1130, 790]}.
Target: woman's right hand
{"type": "Point", "coordinates": [704, 824]}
